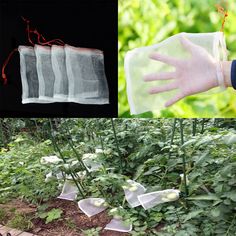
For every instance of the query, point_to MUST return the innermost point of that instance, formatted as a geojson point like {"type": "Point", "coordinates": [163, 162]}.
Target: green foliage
{"type": "Point", "coordinates": [143, 23]}
{"type": "Point", "coordinates": [51, 215]}
{"type": "Point", "coordinates": [142, 151]}
{"type": "Point", "coordinates": [92, 231]}
{"type": "Point", "coordinates": [3, 215]}
{"type": "Point", "coordinates": [20, 222]}
{"type": "Point", "coordinates": [21, 171]}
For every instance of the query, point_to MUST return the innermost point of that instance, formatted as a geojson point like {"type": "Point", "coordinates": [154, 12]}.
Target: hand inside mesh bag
{"type": "Point", "coordinates": [197, 74]}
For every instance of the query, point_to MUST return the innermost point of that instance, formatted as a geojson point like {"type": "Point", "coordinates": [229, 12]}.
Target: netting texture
{"type": "Point", "coordinates": [152, 199]}
{"type": "Point", "coordinates": [92, 206]}
{"type": "Point", "coordinates": [63, 74]}
{"type": "Point", "coordinates": [138, 64]}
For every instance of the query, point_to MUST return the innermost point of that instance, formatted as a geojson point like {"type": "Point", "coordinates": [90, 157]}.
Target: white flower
{"type": "Point", "coordinates": [50, 160]}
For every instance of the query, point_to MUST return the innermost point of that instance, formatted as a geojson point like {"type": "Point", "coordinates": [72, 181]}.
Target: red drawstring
{"type": "Point", "coordinates": [39, 38]}
{"type": "Point", "coordinates": [49, 43]}
{"type": "Point", "coordinates": [224, 12]}
{"type": "Point", "coordinates": [5, 64]}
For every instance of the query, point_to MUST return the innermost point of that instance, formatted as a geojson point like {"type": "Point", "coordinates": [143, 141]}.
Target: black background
{"type": "Point", "coordinates": [81, 23]}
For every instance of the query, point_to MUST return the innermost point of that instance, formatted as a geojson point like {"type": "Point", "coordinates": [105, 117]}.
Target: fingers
{"type": "Point", "coordinates": [159, 76]}
{"type": "Point", "coordinates": [187, 44]}
{"type": "Point", "coordinates": [174, 99]}
{"type": "Point", "coordinates": [164, 58]}
{"type": "Point", "coordinates": [164, 88]}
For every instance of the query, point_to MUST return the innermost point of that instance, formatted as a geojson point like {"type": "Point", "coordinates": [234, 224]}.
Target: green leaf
{"type": "Point", "coordinates": [192, 214]}
{"type": "Point", "coordinates": [231, 195]}
{"type": "Point", "coordinates": [215, 212]}
{"type": "Point", "coordinates": [54, 214]}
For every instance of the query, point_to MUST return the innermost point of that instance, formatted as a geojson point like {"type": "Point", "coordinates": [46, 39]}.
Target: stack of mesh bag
{"type": "Point", "coordinates": [63, 74]}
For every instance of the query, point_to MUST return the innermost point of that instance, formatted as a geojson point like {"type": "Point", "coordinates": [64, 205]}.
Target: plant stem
{"type": "Point", "coordinates": [63, 158]}
{"type": "Point", "coordinates": [194, 126]}
{"type": "Point", "coordinates": [183, 156]}
{"type": "Point", "coordinates": [116, 141]}
{"type": "Point", "coordinates": [228, 230]}
{"type": "Point", "coordinates": [71, 144]}
{"type": "Point", "coordinates": [3, 140]}
{"type": "Point", "coordinates": [203, 123]}
{"type": "Point", "coordinates": [172, 135]}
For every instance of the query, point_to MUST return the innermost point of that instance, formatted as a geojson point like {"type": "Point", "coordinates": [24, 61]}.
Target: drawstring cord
{"type": "Point", "coordinates": [223, 12]}
{"type": "Point", "coordinates": [40, 40]}
{"type": "Point", "coordinates": [5, 64]}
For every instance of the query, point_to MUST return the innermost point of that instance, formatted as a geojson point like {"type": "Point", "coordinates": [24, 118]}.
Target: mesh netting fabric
{"type": "Point", "coordinates": [29, 76]}
{"type": "Point", "coordinates": [86, 75]}
{"type": "Point", "coordinates": [118, 225]}
{"type": "Point", "coordinates": [92, 206]}
{"type": "Point", "coordinates": [63, 74]}
{"type": "Point", "coordinates": [59, 69]}
{"type": "Point", "coordinates": [69, 191]}
{"type": "Point", "coordinates": [132, 191]}
{"type": "Point", "coordinates": [45, 73]}
{"type": "Point", "coordinates": [138, 64]}
{"type": "Point", "coordinates": [152, 199]}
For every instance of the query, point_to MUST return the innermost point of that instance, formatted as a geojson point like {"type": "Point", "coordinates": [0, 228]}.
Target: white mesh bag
{"type": "Point", "coordinates": [92, 206]}
{"type": "Point", "coordinates": [138, 64]}
{"type": "Point", "coordinates": [29, 76]}
{"type": "Point", "coordinates": [91, 162]}
{"type": "Point", "coordinates": [118, 225]}
{"type": "Point", "coordinates": [59, 68]}
{"type": "Point", "coordinates": [86, 75]}
{"type": "Point", "coordinates": [69, 191]}
{"type": "Point", "coordinates": [45, 73]}
{"type": "Point", "coordinates": [132, 190]}
{"type": "Point", "coordinates": [152, 199]}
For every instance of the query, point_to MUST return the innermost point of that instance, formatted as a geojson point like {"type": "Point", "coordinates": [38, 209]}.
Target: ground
{"type": "Point", "coordinates": [71, 223]}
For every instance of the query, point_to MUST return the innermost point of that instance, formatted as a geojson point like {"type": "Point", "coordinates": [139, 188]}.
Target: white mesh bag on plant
{"type": "Point", "coordinates": [86, 75]}
{"type": "Point", "coordinates": [138, 65]}
{"type": "Point", "coordinates": [92, 206]}
{"type": "Point", "coordinates": [61, 85]}
{"type": "Point", "coordinates": [132, 190]}
{"type": "Point", "coordinates": [69, 191]}
{"type": "Point", "coordinates": [91, 162]}
{"type": "Point", "coordinates": [118, 225]}
{"type": "Point", "coordinates": [152, 199]}
{"type": "Point", "coordinates": [45, 73]}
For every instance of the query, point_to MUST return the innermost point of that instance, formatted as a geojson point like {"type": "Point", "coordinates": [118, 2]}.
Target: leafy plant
{"type": "Point", "coordinates": [21, 222]}
{"type": "Point", "coordinates": [92, 232]}
{"type": "Point", "coordinates": [51, 215]}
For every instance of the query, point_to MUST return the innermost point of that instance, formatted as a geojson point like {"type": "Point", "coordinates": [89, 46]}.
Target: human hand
{"type": "Point", "coordinates": [196, 74]}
